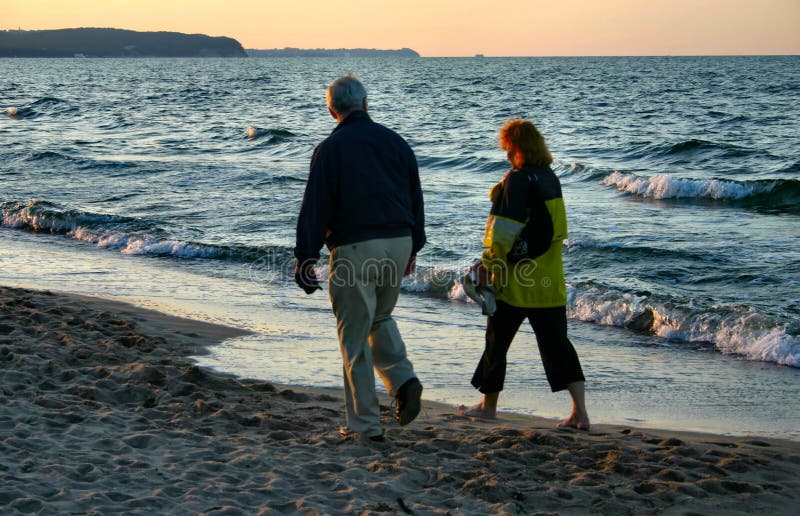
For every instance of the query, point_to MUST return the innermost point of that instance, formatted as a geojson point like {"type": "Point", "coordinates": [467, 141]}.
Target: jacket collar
{"type": "Point", "coordinates": [354, 117]}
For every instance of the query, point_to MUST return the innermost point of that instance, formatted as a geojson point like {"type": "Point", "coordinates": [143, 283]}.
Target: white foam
{"type": "Point", "coordinates": [427, 279]}
{"type": "Point", "coordinates": [665, 186]}
{"type": "Point", "coordinates": [108, 240]}
{"type": "Point", "coordinates": [748, 334]}
{"type": "Point", "coordinates": [774, 345]}
{"type": "Point", "coordinates": [142, 245]}
{"type": "Point", "coordinates": [608, 307]}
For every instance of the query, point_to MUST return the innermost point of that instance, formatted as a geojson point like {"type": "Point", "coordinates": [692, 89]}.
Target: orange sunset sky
{"type": "Point", "coordinates": [448, 27]}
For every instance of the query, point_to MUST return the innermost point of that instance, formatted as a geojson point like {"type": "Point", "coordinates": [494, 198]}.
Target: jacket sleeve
{"type": "Point", "coordinates": [317, 206]}
{"type": "Point", "coordinates": [417, 209]}
{"type": "Point", "coordinates": [506, 220]}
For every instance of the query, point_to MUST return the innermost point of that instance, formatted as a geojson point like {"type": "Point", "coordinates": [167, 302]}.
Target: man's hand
{"type": "Point", "coordinates": [305, 276]}
{"type": "Point", "coordinates": [412, 265]}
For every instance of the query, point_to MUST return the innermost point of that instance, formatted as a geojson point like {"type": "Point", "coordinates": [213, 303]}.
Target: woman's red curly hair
{"type": "Point", "coordinates": [523, 135]}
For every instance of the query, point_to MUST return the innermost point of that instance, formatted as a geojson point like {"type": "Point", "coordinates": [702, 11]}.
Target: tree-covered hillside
{"type": "Point", "coordinates": [92, 42]}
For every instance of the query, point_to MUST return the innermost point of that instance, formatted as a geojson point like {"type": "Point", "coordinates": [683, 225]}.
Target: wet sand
{"type": "Point", "coordinates": [102, 411]}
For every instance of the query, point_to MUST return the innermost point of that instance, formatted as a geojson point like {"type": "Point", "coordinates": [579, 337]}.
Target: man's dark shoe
{"type": "Point", "coordinates": [408, 401]}
{"type": "Point", "coordinates": [349, 434]}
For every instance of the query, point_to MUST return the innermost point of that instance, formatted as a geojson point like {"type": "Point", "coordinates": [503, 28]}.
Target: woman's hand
{"type": "Point", "coordinates": [479, 274]}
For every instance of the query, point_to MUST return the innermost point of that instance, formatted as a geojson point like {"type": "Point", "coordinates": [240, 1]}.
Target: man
{"type": "Point", "coordinates": [364, 201]}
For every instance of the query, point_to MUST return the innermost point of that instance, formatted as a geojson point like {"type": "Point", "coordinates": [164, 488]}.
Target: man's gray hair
{"type": "Point", "coordinates": [345, 93]}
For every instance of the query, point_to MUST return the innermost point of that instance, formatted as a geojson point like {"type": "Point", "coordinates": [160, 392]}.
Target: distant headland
{"type": "Point", "coordinates": [328, 52]}
{"type": "Point", "coordinates": [94, 42]}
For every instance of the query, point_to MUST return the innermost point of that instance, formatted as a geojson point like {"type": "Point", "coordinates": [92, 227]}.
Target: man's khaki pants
{"type": "Point", "coordinates": [363, 286]}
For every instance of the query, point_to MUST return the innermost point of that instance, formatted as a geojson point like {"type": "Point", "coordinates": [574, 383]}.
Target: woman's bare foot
{"type": "Point", "coordinates": [579, 418]}
{"type": "Point", "coordinates": [478, 411]}
{"type": "Point", "coordinates": [575, 421]}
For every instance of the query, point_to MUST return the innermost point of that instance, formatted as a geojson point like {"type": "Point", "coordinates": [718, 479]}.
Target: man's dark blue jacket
{"type": "Point", "coordinates": [363, 184]}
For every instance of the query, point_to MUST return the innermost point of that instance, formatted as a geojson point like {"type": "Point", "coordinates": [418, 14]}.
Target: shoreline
{"type": "Point", "coordinates": [516, 420]}
{"type": "Point", "coordinates": [103, 410]}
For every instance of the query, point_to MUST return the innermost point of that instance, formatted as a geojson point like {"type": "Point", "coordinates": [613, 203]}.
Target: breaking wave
{"type": "Point", "coordinates": [128, 235]}
{"type": "Point", "coordinates": [736, 330]}
{"type": "Point", "coordinates": [769, 192]}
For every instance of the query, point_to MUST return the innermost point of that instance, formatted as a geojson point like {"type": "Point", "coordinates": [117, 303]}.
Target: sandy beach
{"type": "Point", "coordinates": [102, 412]}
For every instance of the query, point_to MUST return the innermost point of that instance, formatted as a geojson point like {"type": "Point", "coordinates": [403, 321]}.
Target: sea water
{"type": "Point", "coordinates": [176, 184]}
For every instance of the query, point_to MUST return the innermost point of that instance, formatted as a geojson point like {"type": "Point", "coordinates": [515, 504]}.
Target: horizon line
{"type": "Point", "coordinates": [470, 55]}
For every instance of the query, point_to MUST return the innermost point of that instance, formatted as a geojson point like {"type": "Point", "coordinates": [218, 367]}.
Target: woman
{"type": "Point", "coordinates": [523, 239]}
